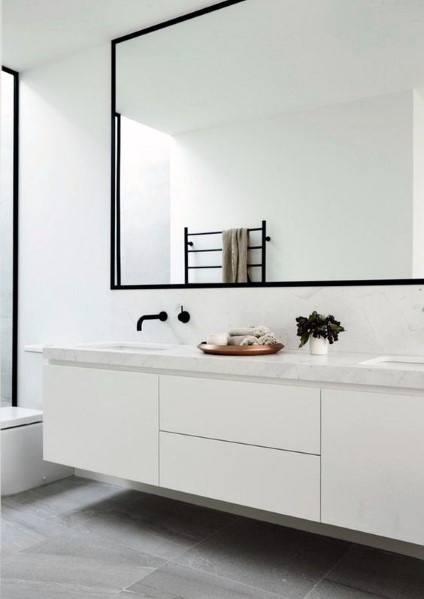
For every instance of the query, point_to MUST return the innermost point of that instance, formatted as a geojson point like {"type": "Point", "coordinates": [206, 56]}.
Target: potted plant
{"type": "Point", "coordinates": [319, 330]}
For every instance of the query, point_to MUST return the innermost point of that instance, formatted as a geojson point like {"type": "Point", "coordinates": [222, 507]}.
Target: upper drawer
{"type": "Point", "coordinates": [253, 413]}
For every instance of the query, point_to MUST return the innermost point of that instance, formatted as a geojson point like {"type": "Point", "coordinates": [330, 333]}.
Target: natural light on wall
{"type": "Point", "coordinates": [145, 176]}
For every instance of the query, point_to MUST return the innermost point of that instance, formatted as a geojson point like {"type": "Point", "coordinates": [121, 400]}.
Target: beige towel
{"type": "Point", "coordinates": [242, 340]}
{"type": "Point", "coordinates": [257, 331]}
{"type": "Point", "coordinates": [234, 255]}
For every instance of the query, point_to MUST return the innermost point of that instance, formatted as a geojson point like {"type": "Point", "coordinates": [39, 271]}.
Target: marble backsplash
{"type": "Point", "coordinates": [378, 319]}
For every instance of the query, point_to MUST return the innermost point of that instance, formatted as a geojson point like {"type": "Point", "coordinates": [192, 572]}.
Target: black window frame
{"type": "Point", "coordinates": [15, 233]}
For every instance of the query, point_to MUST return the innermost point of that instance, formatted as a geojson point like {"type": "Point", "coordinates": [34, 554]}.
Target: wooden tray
{"type": "Point", "coordinates": [240, 350]}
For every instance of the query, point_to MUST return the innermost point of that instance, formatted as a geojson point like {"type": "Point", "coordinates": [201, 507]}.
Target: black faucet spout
{"type": "Point", "coordinates": [162, 316]}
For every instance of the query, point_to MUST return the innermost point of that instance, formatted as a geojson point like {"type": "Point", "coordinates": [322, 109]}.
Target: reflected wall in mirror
{"type": "Point", "coordinates": [270, 141]}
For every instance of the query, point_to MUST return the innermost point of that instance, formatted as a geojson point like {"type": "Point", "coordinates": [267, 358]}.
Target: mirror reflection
{"type": "Point", "coordinates": [287, 146]}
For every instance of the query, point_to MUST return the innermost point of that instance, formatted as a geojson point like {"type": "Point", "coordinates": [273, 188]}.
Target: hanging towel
{"type": "Point", "coordinates": [234, 255]}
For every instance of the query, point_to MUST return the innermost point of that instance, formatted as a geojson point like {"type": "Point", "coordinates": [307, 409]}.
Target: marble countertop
{"type": "Point", "coordinates": [335, 368]}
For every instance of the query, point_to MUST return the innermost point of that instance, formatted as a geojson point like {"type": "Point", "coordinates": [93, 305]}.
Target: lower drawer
{"type": "Point", "coordinates": [268, 479]}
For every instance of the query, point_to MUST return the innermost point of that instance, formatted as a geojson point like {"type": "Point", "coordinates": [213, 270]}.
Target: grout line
{"type": "Point", "coordinates": [172, 560]}
{"type": "Point", "coordinates": [328, 572]}
{"type": "Point", "coordinates": [233, 521]}
{"type": "Point", "coordinates": [271, 594]}
{"type": "Point", "coordinates": [348, 586]}
{"type": "Point", "coordinates": [356, 589]}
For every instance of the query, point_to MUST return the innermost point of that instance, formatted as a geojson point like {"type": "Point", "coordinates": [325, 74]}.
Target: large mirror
{"type": "Point", "coordinates": [270, 142]}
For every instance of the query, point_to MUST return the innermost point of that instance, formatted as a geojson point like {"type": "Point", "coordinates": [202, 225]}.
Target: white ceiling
{"type": "Point", "coordinates": [267, 55]}
{"type": "Point", "coordinates": [38, 31]}
{"type": "Point", "coordinates": [264, 57]}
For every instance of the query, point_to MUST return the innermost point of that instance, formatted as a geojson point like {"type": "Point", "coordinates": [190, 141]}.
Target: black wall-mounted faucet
{"type": "Point", "coordinates": [162, 316]}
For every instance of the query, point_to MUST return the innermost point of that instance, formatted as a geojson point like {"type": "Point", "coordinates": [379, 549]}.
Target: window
{"type": "Point", "coordinates": [9, 157]}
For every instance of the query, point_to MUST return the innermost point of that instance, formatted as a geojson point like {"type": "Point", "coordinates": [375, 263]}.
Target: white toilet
{"type": "Point", "coordinates": [22, 464]}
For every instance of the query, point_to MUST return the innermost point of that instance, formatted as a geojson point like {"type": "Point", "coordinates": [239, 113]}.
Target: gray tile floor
{"type": "Point", "coordinates": [78, 538]}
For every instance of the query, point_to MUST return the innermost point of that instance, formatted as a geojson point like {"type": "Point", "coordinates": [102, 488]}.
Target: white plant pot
{"type": "Point", "coordinates": [318, 346]}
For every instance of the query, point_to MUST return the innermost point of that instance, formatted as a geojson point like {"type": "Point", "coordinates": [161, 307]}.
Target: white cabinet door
{"type": "Point", "coordinates": [269, 479]}
{"type": "Point", "coordinates": [278, 416]}
{"type": "Point", "coordinates": [373, 463]}
{"type": "Point", "coordinates": [102, 420]}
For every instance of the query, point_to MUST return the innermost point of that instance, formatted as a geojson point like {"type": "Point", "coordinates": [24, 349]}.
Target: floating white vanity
{"type": "Point", "coordinates": [337, 439]}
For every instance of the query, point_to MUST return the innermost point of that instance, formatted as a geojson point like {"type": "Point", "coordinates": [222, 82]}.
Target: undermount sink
{"type": "Point", "coordinates": [130, 347]}
{"type": "Point", "coordinates": [396, 361]}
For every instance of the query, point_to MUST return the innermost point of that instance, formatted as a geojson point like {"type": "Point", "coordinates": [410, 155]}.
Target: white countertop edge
{"type": "Point", "coordinates": [299, 366]}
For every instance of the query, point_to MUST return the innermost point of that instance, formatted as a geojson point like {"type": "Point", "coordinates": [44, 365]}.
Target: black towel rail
{"type": "Point", "coordinates": [190, 244]}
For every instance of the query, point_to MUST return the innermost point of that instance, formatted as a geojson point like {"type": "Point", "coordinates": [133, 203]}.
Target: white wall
{"type": "Point", "coordinates": [334, 184]}
{"type": "Point", "coordinates": [64, 225]}
{"type": "Point", "coordinates": [418, 167]}
{"type": "Point", "coordinates": [64, 275]}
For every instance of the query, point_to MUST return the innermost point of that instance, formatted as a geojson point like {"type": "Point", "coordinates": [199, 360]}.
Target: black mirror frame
{"type": "Point", "coordinates": [115, 229]}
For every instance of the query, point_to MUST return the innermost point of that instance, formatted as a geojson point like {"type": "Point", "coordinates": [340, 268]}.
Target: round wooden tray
{"type": "Point", "coordinates": [240, 350]}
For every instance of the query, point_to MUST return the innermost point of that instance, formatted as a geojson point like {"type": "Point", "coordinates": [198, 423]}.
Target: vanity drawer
{"type": "Point", "coordinates": [269, 479]}
{"type": "Point", "coordinates": [262, 414]}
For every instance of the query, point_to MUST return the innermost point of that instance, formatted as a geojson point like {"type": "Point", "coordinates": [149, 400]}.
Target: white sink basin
{"type": "Point", "coordinates": [130, 347]}
{"type": "Point", "coordinates": [396, 361]}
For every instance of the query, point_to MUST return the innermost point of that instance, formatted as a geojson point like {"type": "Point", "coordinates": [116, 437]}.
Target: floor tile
{"type": "Point", "coordinates": [89, 559]}
{"type": "Point", "coordinates": [387, 574]}
{"type": "Point", "coordinates": [178, 582]}
{"type": "Point", "coordinates": [15, 537]}
{"type": "Point", "coordinates": [193, 520]}
{"type": "Point", "coordinates": [23, 589]}
{"type": "Point", "coordinates": [149, 524]}
{"type": "Point", "coordinates": [116, 543]}
{"type": "Point", "coordinates": [268, 557]}
{"type": "Point", "coordinates": [151, 594]}
{"type": "Point", "coordinates": [147, 594]}
{"type": "Point", "coordinates": [63, 496]}
{"type": "Point", "coordinates": [32, 521]}
{"type": "Point", "coordinates": [146, 537]}
{"type": "Point", "coordinates": [332, 590]}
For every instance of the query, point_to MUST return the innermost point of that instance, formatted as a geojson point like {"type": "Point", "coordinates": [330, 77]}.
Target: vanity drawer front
{"type": "Point", "coordinates": [262, 414]}
{"type": "Point", "coordinates": [268, 479]}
